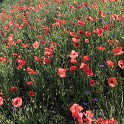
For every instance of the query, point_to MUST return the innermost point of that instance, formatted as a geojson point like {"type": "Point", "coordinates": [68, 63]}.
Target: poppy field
{"type": "Point", "coordinates": [62, 62]}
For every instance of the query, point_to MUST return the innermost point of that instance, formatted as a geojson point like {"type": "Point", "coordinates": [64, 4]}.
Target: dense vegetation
{"type": "Point", "coordinates": [62, 62]}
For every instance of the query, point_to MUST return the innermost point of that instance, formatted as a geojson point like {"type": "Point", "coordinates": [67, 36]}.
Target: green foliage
{"type": "Point", "coordinates": [53, 95]}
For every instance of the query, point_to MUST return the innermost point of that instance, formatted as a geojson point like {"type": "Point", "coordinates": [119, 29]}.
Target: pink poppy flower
{"type": "Point", "coordinates": [62, 72]}
{"type": "Point", "coordinates": [17, 102]}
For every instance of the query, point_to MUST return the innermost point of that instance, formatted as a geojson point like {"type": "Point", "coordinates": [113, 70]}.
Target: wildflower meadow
{"type": "Point", "coordinates": [62, 62]}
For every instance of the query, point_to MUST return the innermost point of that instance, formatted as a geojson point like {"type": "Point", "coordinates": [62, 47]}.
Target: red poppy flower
{"type": "Point", "coordinates": [19, 40]}
{"type": "Point", "coordinates": [112, 121]}
{"type": "Point", "coordinates": [109, 63]}
{"type": "Point", "coordinates": [106, 27]}
{"type": "Point", "coordinates": [40, 37]}
{"type": "Point", "coordinates": [81, 23]}
{"type": "Point", "coordinates": [89, 117]}
{"type": "Point", "coordinates": [81, 32]}
{"type": "Point", "coordinates": [46, 30]}
{"type": "Point", "coordinates": [2, 60]}
{"type": "Point", "coordinates": [1, 101]}
{"type": "Point", "coordinates": [94, 5]}
{"type": "Point", "coordinates": [17, 102]}
{"type": "Point", "coordinates": [121, 64]}
{"type": "Point", "coordinates": [99, 121]}
{"type": "Point", "coordinates": [75, 40]}
{"type": "Point", "coordinates": [72, 34]}
{"type": "Point", "coordinates": [86, 58]}
{"type": "Point", "coordinates": [71, 7]}
{"type": "Point", "coordinates": [73, 61]}
{"type": "Point", "coordinates": [115, 17]}
{"type": "Point", "coordinates": [62, 72]}
{"type": "Point", "coordinates": [88, 34]}
{"type": "Point", "coordinates": [37, 59]}
{"type": "Point", "coordinates": [76, 112]}
{"type": "Point", "coordinates": [19, 67]}
{"type": "Point", "coordinates": [21, 62]}
{"type": "Point", "coordinates": [73, 54]}
{"type": "Point", "coordinates": [72, 68]}
{"type": "Point", "coordinates": [122, 9]}
{"type": "Point", "coordinates": [110, 42]}
{"type": "Point", "coordinates": [101, 48]}
{"type": "Point", "coordinates": [46, 61]}
{"type": "Point", "coordinates": [31, 93]}
{"type": "Point", "coordinates": [99, 32]}
{"type": "Point", "coordinates": [48, 52]}
{"type": "Point", "coordinates": [89, 19]}
{"type": "Point", "coordinates": [36, 45]}
{"type": "Point", "coordinates": [114, 0]}
{"type": "Point", "coordinates": [29, 83]}
{"type": "Point", "coordinates": [13, 89]}
{"type": "Point", "coordinates": [76, 45]}
{"type": "Point", "coordinates": [31, 71]}
{"type": "Point", "coordinates": [102, 14]}
{"type": "Point", "coordinates": [87, 41]}
{"type": "Point", "coordinates": [112, 82]}
{"type": "Point", "coordinates": [118, 51]}
{"type": "Point", "coordinates": [84, 67]}
{"type": "Point", "coordinates": [92, 83]}
{"type": "Point", "coordinates": [89, 72]}
{"type": "Point", "coordinates": [121, 18]}
{"type": "Point", "coordinates": [78, 17]}
{"type": "Point", "coordinates": [15, 54]}
{"type": "Point", "coordinates": [25, 45]}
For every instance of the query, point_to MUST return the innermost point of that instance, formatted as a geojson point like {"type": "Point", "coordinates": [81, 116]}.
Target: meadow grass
{"type": "Point", "coordinates": [54, 53]}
